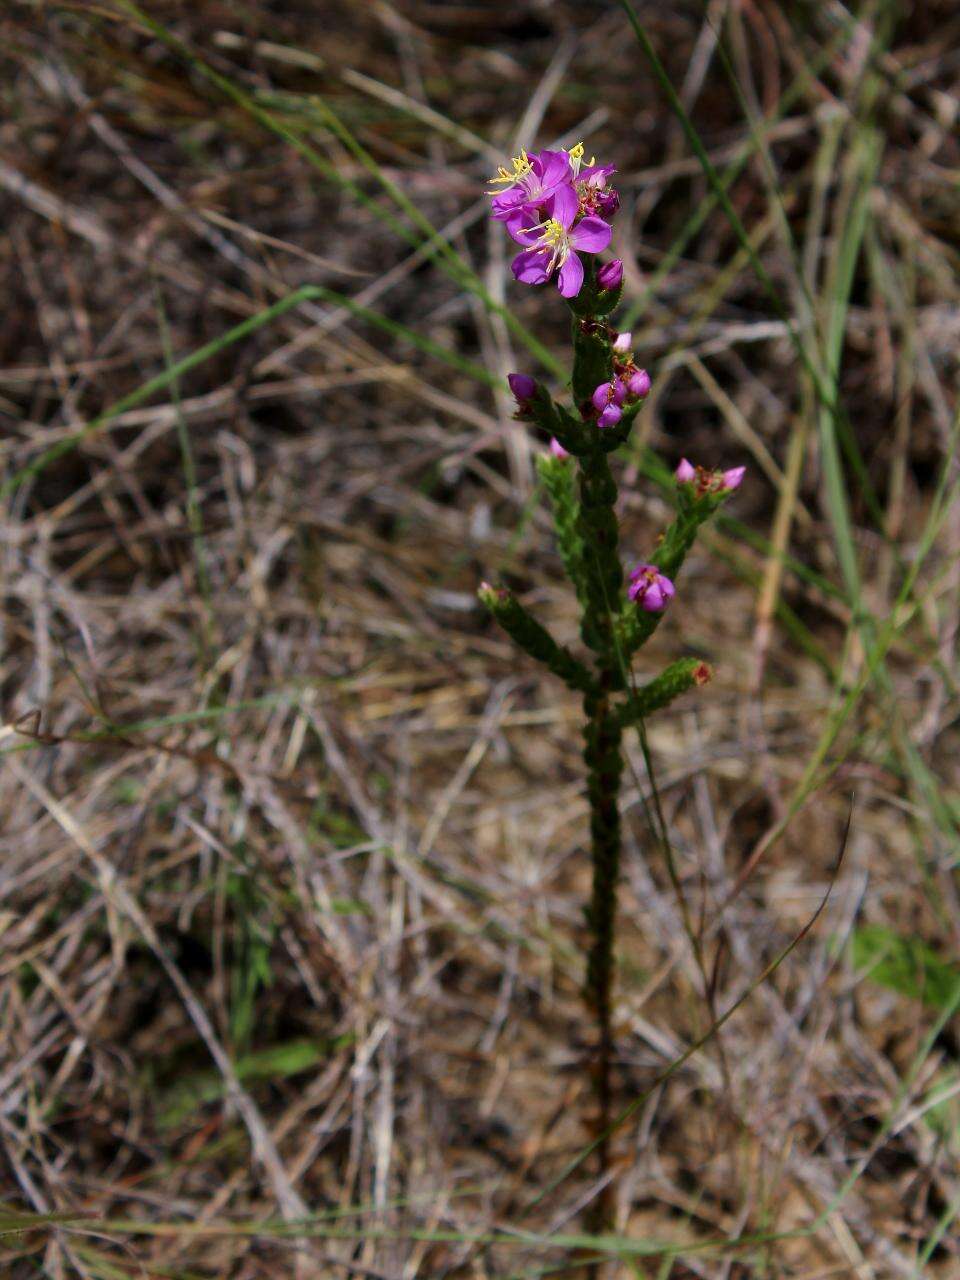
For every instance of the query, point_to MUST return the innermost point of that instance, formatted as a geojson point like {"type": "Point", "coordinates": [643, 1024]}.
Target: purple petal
{"type": "Point", "coordinates": [564, 205]}
{"type": "Point", "coordinates": [639, 384]}
{"type": "Point", "coordinates": [596, 175]}
{"type": "Point", "coordinates": [640, 570]}
{"type": "Point", "coordinates": [601, 397]}
{"type": "Point", "coordinates": [505, 201]}
{"type": "Point", "coordinates": [570, 278]}
{"type": "Point", "coordinates": [520, 225]}
{"type": "Point", "coordinates": [592, 235]}
{"type": "Point", "coordinates": [610, 417]}
{"type": "Point", "coordinates": [554, 167]}
{"type": "Point", "coordinates": [652, 599]}
{"type": "Point", "coordinates": [619, 391]}
{"type": "Point", "coordinates": [522, 386]}
{"type": "Point", "coordinates": [530, 267]}
{"type": "Point", "coordinates": [733, 477]}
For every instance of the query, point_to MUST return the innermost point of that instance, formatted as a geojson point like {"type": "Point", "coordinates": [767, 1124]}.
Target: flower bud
{"type": "Point", "coordinates": [557, 449]}
{"type": "Point", "coordinates": [491, 596]}
{"type": "Point", "coordinates": [686, 472]}
{"type": "Point", "coordinates": [731, 479]}
{"type": "Point", "coordinates": [650, 589]}
{"type": "Point", "coordinates": [610, 416]}
{"type": "Point", "coordinates": [639, 384]}
{"type": "Point", "coordinates": [609, 393]}
{"type": "Point", "coordinates": [610, 275]}
{"type": "Point", "coordinates": [524, 387]}
{"type": "Point", "coordinates": [621, 343]}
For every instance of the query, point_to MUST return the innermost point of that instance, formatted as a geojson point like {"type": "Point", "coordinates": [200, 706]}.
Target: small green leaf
{"type": "Point", "coordinates": [276, 1063]}
{"type": "Point", "coordinates": [906, 965]}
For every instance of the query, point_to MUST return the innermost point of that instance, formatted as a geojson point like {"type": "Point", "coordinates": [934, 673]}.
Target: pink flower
{"type": "Point", "coordinates": [609, 392]}
{"type": "Point", "coordinates": [650, 589]}
{"type": "Point", "coordinates": [621, 343]}
{"type": "Point", "coordinates": [610, 275]}
{"type": "Point", "coordinates": [555, 246]}
{"type": "Point", "coordinates": [534, 180]}
{"type": "Point", "coordinates": [607, 399]}
{"type": "Point", "coordinates": [557, 449]}
{"type": "Point", "coordinates": [709, 481]}
{"type": "Point", "coordinates": [591, 183]}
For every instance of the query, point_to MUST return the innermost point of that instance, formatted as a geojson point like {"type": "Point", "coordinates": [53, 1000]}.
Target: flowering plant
{"type": "Point", "coordinates": [555, 207]}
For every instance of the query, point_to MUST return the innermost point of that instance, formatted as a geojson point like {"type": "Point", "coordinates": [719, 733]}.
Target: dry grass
{"type": "Point", "coordinates": [293, 843]}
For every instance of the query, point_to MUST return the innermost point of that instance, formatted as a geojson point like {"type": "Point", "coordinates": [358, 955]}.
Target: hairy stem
{"type": "Point", "coordinates": [604, 760]}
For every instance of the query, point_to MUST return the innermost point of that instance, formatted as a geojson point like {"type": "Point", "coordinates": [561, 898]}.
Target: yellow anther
{"type": "Point", "coordinates": [576, 158]}
{"type": "Point", "coordinates": [553, 236]}
{"type": "Point", "coordinates": [521, 167]}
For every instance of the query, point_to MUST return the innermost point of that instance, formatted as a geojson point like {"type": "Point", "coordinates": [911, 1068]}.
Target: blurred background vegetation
{"type": "Point", "coordinates": [293, 841]}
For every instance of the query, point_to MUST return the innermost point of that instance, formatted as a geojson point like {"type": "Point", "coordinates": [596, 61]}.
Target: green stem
{"type": "Point", "coordinates": [603, 583]}
{"type": "Point", "coordinates": [604, 760]}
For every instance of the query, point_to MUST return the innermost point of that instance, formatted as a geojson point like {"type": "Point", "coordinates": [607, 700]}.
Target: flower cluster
{"type": "Point", "coordinates": [627, 385]}
{"type": "Point", "coordinates": [650, 589]}
{"type": "Point", "coordinates": [704, 481]}
{"type": "Point", "coordinates": [554, 205]}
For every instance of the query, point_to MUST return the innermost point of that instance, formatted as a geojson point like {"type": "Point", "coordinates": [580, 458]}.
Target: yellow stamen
{"type": "Point", "coordinates": [576, 157]}
{"type": "Point", "coordinates": [553, 236]}
{"type": "Point", "coordinates": [521, 167]}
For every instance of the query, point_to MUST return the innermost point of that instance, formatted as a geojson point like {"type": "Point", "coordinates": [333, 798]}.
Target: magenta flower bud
{"type": "Point", "coordinates": [650, 589]}
{"type": "Point", "coordinates": [557, 449]}
{"type": "Point", "coordinates": [524, 387]}
{"type": "Point", "coordinates": [610, 416]}
{"type": "Point", "coordinates": [731, 479]}
{"type": "Point", "coordinates": [621, 344]}
{"type": "Point", "coordinates": [602, 396]}
{"type": "Point", "coordinates": [639, 384]}
{"type": "Point", "coordinates": [610, 275]}
{"type": "Point", "coordinates": [608, 202]}
{"type": "Point", "coordinates": [686, 472]}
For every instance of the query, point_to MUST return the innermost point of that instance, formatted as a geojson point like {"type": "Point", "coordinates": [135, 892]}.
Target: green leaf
{"type": "Point", "coordinates": [276, 1063]}
{"type": "Point", "coordinates": [905, 964]}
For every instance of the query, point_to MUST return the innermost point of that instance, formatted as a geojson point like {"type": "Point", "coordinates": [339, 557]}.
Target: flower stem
{"type": "Point", "coordinates": [604, 761]}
